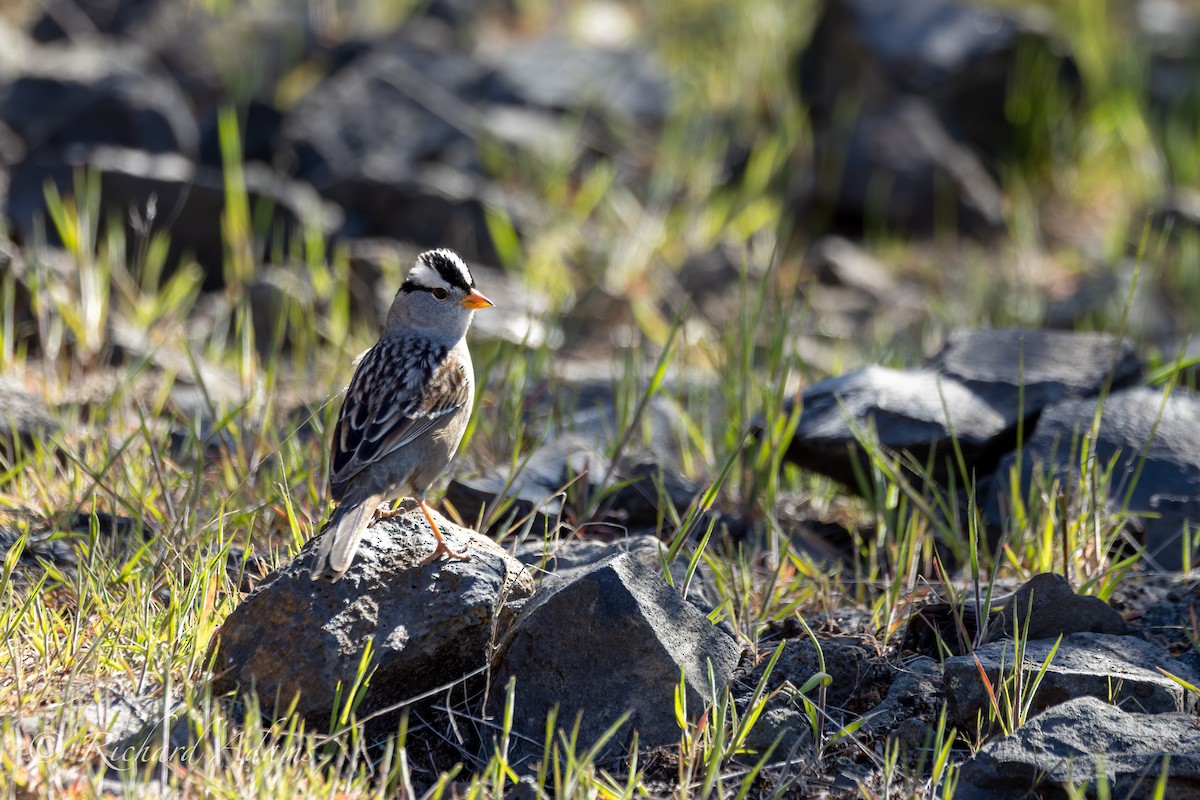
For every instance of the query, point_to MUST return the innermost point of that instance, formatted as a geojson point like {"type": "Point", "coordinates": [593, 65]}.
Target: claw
{"type": "Point", "coordinates": [442, 547]}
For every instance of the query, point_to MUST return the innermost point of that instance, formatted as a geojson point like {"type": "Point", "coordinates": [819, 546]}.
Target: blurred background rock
{"type": "Point", "coordinates": [1012, 162]}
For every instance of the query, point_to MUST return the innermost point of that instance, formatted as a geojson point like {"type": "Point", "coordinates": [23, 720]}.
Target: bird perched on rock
{"type": "Point", "coordinates": [406, 408]}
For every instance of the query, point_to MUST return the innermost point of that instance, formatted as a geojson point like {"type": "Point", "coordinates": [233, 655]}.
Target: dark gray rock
{"type": "Point", "coordinates": [537, 486]}
{"type": "Point", "coordinates": [851, 294]}
{"type": "Point", "coordinates": [390, 138]}
{"type": "Point", "coordinates": [1135, 424]}
{"type": "Point", "coordinates": [971, 389]}
{"type": "Point", "coordinates": [837, 261]}
{"type": "Point", "coordinates": [428, 625]}
{"type": "Point", "coordinates": [859, 675]}
{"type": "Point", "coordinates": [1108, 294]}
{"type": "Point", "coordinates": [187, 201]}
{"type": "Point", "coordinates": [961, 56]}
{"type": "Point", "coordinates": [613, 639]}
{"type": "Point", "coordinates": [1084, 742]}
{"type": "Point", "coordinates": [281, 297]}
{"type": "Point", "coordinates": [711, 279]}
{"type": "Point", "coordinates": [1168, 32]}
{"type": "Point", "coordinates": [912, 412]}
{"type": "Point", "coordinates": [24, 419]}
{"type": "Point", "coordinates": [1046, 606]}
{"type": "Point", "coordinates": [564, 76]}
{"type": "Point", "coordinates": [914, 697]}
{"type": "Point", "coordinates": [41, 544]}
{"type": "Point", "coordinates": [557, 562]}
{"type": "Point", "coordinates": [900, 170]}
{"type": "Point", "coordinates": [1161, 607]}
{"type": "Point", "coordinates": [1008, 367]}
{"type": "Point", "coordinates": [569, 477]}
{"type": "Point", "coordinates": [81, 19]}
{"type": "Point", "coordinates": [1123, 669]}
{"type": "Point", "coordinates": [95, 95]}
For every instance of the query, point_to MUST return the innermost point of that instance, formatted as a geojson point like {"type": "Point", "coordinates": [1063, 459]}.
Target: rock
{"type": "Point", "coordinates": [258, 131]}
{"type": "Point", "coordinates": [81, 19]}
{"type": "Point", "coordinates": [853, 295]}
{"type": "Point", "coordinates": [1008, 367]}
{"type": "Point", "coordinates": [1046, 607]}
{"type": "Point", "coordinates": [280, 298]}
{"type": "Point", "coordinates": [1142, 433]}
{"type": "Point", "coordinates": [938, 627]}
{"type": "Point", "coordinates": [962, 57]}
{"type": "Point", "coordinates": [537, 486]}
{"type": "Point", "coordinates": [914, 696]}
{"type": "Point", "coordinates": [167, 735]}
{"type": "Point", "coordinates": [610, 84]}
{"type": "Point", "coordinates": [971, 389]}
{"type": "Point", "coordinates": [643, 485]}
{"type": "Point", "coordinates": [711, 279]}
{"type": "Point", "coordinates": [859, 675]}
{"type": "Point", "coordinates": [1084, 742]}
{"type": "Point", "coordinates": [368, 139]}
{"type": "Point", "coordinates": [563, 561]}
{"type": "Point", "coordinates": [837, 261]}
{"type": "Point", "coordinates": [1120, 669]}
{"type": "Point", "coordinates": [1160, 607]}
{"type": "Point", "coordinates": [95, 95]}
{"type": "Point", "coordinates": [1107, 295]}
{"type": "Point", "coordinates": [1167, 33]}
{"type": "Point", "coordinates": [427, 626]}
{"type": "Point", "coordinates": [661, 433]}
{"type": "Point", "coordinates": [42, 544]}
{"type": "Point", "coordinates": [912, 412]}
{"type": "Point", "coordinates": [902, 172]}
{"type": "Point", "coordinates": [613, 639]}
{"type": "Point", "coordinates": [1175, 216]}
{"type": "Point", "coordinates": [24, 420]}
{"type": "Point", "coordinates": [187, 201]}
{"type": "Point", "coordinates": [561, 478]}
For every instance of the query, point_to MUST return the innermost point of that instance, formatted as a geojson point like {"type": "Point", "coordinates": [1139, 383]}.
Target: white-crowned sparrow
{"type": "Point", "coordinates": [406, 407]}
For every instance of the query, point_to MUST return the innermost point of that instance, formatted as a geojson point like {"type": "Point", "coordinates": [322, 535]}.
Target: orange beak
{"type": "Point", "coordinates": [476, 300]}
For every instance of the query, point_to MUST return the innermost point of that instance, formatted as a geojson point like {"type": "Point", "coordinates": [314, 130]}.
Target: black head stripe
{"type": "Point", "coordinates": [450, 268]}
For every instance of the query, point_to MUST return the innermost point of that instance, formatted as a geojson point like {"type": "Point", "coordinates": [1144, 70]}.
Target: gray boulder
{"type": "Point", "coordinates": [1152, 441]}
{"type": "Point", "coordinates": [612, 639]}
{"type": "Point", "coordinates": [428, 626]}
{"type": "Point", "coordinates": [24, 419]}
{"type": "Point", "coordinates": [1046, 606]}
{"type": "Point", "coordinates": [971, 391]}
{"type": "Point", "coordinates": [1086, 741]}
{"type": "Point", "coordinates": [1120, 669]}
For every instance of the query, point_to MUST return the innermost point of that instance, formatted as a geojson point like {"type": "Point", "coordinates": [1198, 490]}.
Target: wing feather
{"type": "Point", "coordinates": [400, 390]}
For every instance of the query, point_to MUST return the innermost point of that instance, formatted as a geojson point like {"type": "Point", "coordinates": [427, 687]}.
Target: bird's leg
{"type": "Point", "coordinates": [442, 547]}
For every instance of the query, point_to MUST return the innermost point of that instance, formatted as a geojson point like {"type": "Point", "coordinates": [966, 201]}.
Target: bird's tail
{"type": "Point", "coordinates": [341, 536]}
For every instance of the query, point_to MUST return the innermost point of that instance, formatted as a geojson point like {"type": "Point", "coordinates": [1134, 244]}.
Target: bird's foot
{"type": "Point", "coordinates": [442, 546]}
{"type": "Point", "coordinates": [383, 512]}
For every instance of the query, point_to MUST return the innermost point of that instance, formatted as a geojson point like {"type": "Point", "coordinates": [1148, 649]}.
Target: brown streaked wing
{"type": "Point", "coordinates": [395, 414]}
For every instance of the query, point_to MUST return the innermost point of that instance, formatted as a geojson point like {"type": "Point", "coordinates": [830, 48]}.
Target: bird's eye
{"type": "Point", "coordinates": [440, 293]}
